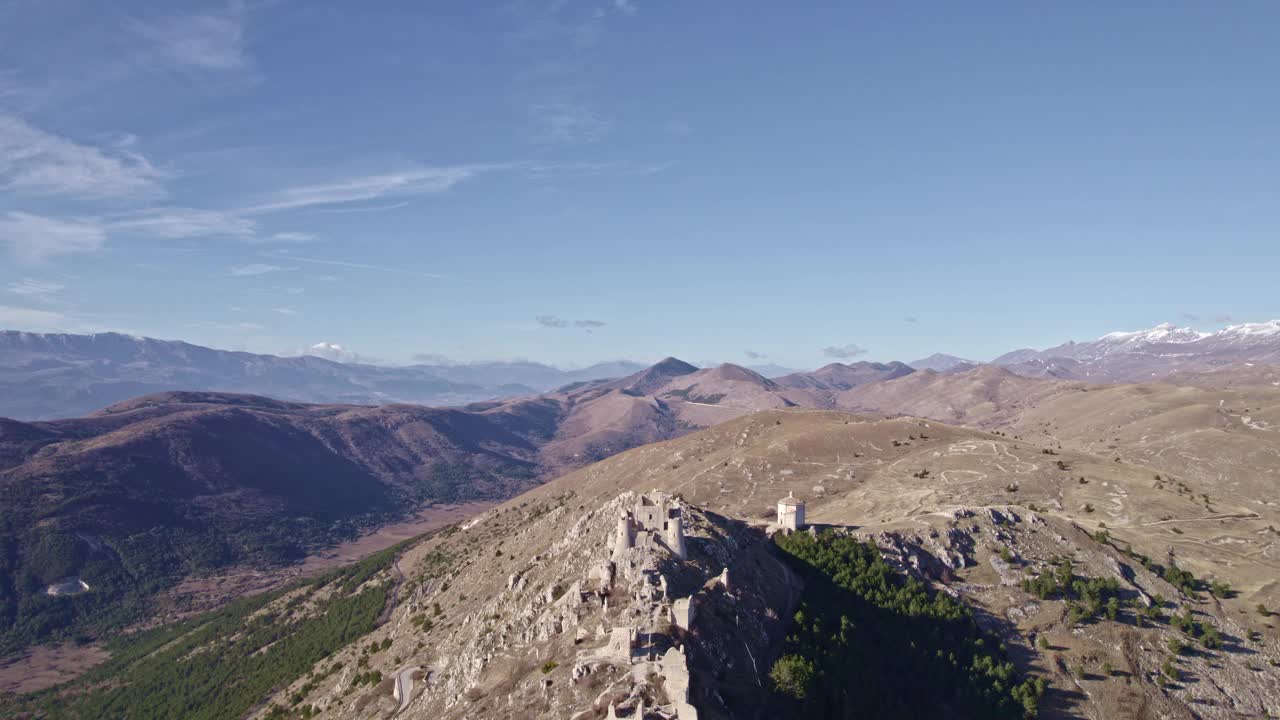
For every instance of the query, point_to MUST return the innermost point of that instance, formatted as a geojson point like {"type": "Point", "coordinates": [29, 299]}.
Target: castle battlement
{"type": "Point", "coordinates": [655, 515]}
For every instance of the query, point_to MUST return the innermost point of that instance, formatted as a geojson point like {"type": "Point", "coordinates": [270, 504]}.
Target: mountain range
{"type": "Point", "coordinates": [216, 479]}
{"type": "Point", "coordinates": [1146, 354]}
{"type": "Point", "coordinates": [45, 376]}
{"type": "Point", "coordinates": [150, 492]}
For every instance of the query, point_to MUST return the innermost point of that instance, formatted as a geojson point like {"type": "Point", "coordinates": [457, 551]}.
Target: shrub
{"type": "Point", "coordinates": [792, 675]}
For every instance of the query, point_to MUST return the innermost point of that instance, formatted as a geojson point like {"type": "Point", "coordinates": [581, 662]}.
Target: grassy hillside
{"type": "Point", "coordinates": [224, 663]}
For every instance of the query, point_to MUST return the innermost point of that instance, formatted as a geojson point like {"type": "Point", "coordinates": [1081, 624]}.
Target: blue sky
{"type": "Point", "coordinates": [577, 180]}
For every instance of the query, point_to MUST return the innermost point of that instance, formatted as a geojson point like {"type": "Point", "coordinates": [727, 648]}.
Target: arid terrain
{"type": "Point", "coordinates": [973, 511]}
{"type": "Point", "coordinates": [976, 480]}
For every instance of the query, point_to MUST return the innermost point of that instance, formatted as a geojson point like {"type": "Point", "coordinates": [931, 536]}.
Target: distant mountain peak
{"type": "Point", "coordinates": [840, 376]}
{"type": "Point", "coordinates": [672, 365]}
{"type": "Point", "coordinates": [940, 362]}
{"type": "Point", "coordinates": [730, 371]}
{"type": "Point", "coordinates": [1270, 327]}
{"type": "Point", "coordinates": [1162, 333]}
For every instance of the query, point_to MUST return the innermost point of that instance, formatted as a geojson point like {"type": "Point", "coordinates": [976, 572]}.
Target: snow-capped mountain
{"type": "Point", "coordinates": [1165, 333]}
{"type": "Point", "coordinates": [1152, 353]}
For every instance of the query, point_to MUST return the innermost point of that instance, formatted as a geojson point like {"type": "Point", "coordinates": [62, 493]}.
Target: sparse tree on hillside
{"type": "Point", "coordinates": [792, 675]}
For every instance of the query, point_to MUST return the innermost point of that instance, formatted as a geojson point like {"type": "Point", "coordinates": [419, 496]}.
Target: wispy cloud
{"type": "Point", "coordinates": [554, 321]}
{"type": "Point", "coordinates": [363, 208]}
{"type": "Point", "coordinates": [38, 162]}
{"type": "Point", "coordinates": [36, 289]}
{"type": "Point", "coordinates": [354, 265]}
{"type": "Point", "coordinates": [285, 311]}
{"type": "Point", "coordinates": [33, 239]}
{"type": "Point", "coordinates": [753, 355]}
{"type": "Point", "coordinates": [28, 319]}
{"type": "Point", "coordinates": [556, 22]}
{"type": "Point", "coordinates": [292, 237]}
{"type": "Point", "coordinates": [541, 172]}
{"type": "Point", "coordinates": [183, 223]}
{"type": "Point", "coordinates": [844, 352]}
{"type": "Point", "coordinates": [213, 40]}
{"type": "Point", "coordinates": [254, 269]}
{"type": "Point", "coordinates": [911, 319]}
{"type": "Point", "coordinates": [554, 88]}
{"type": "Point", "coordinates": [423, 181]}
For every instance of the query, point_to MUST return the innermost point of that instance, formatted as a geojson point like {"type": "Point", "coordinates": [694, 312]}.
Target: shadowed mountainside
{"type": "Point", "coordinates": [150, 490]}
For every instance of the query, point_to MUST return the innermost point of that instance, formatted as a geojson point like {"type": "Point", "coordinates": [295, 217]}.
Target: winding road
{"type": "Point", "coordinates": [404, 687]}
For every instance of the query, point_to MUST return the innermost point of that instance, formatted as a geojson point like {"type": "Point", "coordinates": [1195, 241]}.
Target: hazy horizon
{"type": "Point", "coordinates": [576, 181]}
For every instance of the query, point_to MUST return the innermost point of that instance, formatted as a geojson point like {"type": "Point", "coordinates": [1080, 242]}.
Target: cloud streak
{"type": "Point", "coordinates": [254, 269]}
{"type": "Point", "coordinates": [554, 321]}
{"type": "Point", "coordinates": [424, 181]}
{"type": "Point", "coordinates": [37, 162]}
{"type": "Point", "coordinates": [36, 289]}
{"type": "Point", "coordinates": [28, 319]}
{"type": "Point", "coordinates": [354, 265]}
{"type": "Point", "coordinates": [34, 239]}
{"type": "Point", "coordinates": [844, 352]}
{"type": "Point", "coordinates": [184, 223]}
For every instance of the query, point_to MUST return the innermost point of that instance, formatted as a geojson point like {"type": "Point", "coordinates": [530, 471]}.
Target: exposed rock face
{"type": "Point", "coordinates": [587, 627]}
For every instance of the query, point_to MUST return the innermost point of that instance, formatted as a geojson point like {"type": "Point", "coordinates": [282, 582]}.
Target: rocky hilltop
{"type": "Point", "coordinates": [1130, 596]}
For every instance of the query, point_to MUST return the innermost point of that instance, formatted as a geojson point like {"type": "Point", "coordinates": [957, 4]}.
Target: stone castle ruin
{"type": "Point", "coordinates": [633, 600]}
{"type": "Point", "coordinates": [656, 517]}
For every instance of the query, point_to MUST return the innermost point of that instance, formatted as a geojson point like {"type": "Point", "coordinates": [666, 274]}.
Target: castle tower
{"type": "Point", "coordinates": [675, 534]}
{"type": "Point", "coordinates": [791, 512]}
{"type": "Point", "coordinates": [623, 539]}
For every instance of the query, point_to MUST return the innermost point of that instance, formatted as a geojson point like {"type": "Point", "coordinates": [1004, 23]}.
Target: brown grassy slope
{"type": "Point", "coordinates": [927, 485]}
